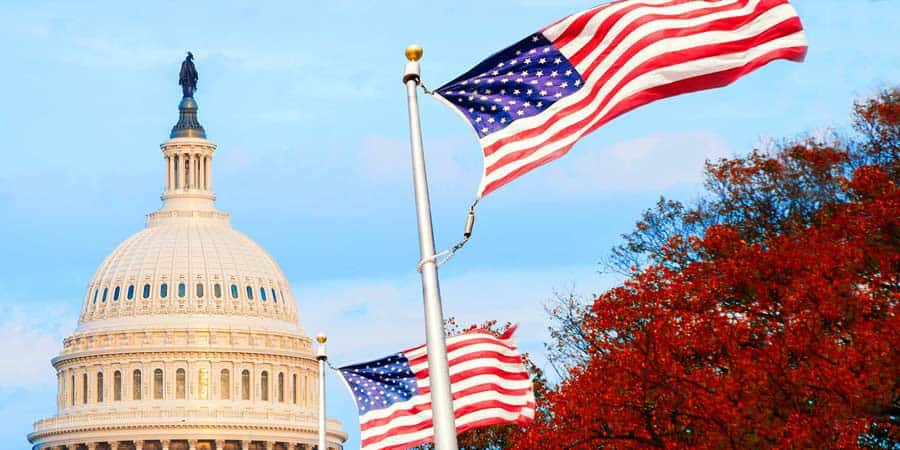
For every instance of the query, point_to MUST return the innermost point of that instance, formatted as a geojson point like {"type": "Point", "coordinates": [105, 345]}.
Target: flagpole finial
{"type": "Point", "coordinates": [414, 52]}
{"type": "Point", "coordinates": [321, 338]}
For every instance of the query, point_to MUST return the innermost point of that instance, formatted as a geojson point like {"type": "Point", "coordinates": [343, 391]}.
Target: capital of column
{"type": "Point", "coordinates": [91, 445]}
{"type": "Point", "coordinates": [192, 444]}
{"type": "Point", "coordinates": [113, 445]}
{"type": "Point", "coordinates": [220, 444]}
{"type": "Point", "coordinates": [245, 445]}
{"type": "Point", "coordinates": [138, 445]}
{"type": "Point", "coordinates": [269, 445]}
{"type": "Point", "coordinates": [164, 444]}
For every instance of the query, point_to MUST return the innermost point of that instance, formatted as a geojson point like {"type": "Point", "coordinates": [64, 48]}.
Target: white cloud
{"type": "Point", "coordinates": [651, 163]}
{"type": "Point", "coordinates": [31, 335]}
{"type": "Point", "coordinates": [370, 318]}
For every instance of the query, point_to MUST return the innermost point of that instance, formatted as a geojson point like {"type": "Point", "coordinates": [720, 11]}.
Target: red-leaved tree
{"type": "Point", "coordinates": [764, 318]}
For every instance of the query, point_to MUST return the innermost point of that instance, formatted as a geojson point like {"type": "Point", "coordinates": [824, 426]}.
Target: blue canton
{"type": "Point", "coordinates": [381, 383]}
{"type": "Point", "coordinates": [520, 81]}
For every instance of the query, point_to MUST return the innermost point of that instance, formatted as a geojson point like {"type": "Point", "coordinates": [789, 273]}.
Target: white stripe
{"type": "Point", "coordinates": [648, 52]}
{"type": "Point", "coordinates": [473, 417]}
{"type": "Point", "coordinates": [417, 352]}
{"type": "Point", "coordinates": [509, 368]}
{"type": "Point", "coordinates": [462, 385]}
{"type": "Point", "coordinates": [656, 78]}
{"type": "Point", "coordinates": [759, 25]}
{"type": "Point", "coordinates": [587, 35]}
{"type": "Point", "coordinates": [466, 350]}
{"type": "Point", "coordinates": [425, 415]}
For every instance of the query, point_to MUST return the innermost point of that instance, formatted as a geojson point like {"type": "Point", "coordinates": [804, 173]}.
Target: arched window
{"type": "Point", "coordinates": [72, 387]}
{"type": "Point", "coordinates": [116, 294]}
{"type": "Point", "coordinates": [105, 291]}
{"type": "Point", "coordinates": [99, 387]}
{"type": "Point", "coordinates": [164, 290]}
{"type": "Point", "coordinates": [136, 385]}
{"type": "Point", "coordinates": [179, 384]}
{"type": "Point", "coordinates": [96, 291]}
{"type": "Point", "coordinates": [117, 386]}
{"type": "Point", "coordinates": [130, 294]}
{"type": "Point", "coordinates": [182, 290]}
{"type": "Point", "coordinates": [84, 388]}
{"type": "Point", "coordinates": [199, 290]}
{"type": "Point", "coordinates": [234, 291]}
{"type": "Point", "coordinates": [217, 290]}
{"type": "Point", "coordinates": [249, 293]}
{"type": "Point", "coordinates": [225, 384]}
{"type": "Point", "coordinates": [274, 297]}
{"type": "Point", "coordinates": [294, 389]}
{"type": "Point", "coordinates": [264, 386]}
{"type": "Point", "coordinates": [262, 293]}
{"type": "Point", "coordinates": [158, 384]}
{"type": "Point", "coordinates": [281, 387]}
{"type": "Point", "coordinates": [146, 293]}
{"type": "Point", "coordinates": [245, 385]}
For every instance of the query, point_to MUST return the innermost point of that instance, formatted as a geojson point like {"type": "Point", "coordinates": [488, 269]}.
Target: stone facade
{"type": "Point", "coordinates": [188, 339]}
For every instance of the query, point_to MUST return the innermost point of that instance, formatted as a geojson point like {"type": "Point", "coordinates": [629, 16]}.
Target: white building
{"type": "Point", "coordinates": [189, 337]}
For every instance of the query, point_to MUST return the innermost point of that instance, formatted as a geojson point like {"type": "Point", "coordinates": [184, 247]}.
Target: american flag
{"type": "Point", "coordinates": [488, 380]}
{"type": "Point", "coordinates": [532, 101]}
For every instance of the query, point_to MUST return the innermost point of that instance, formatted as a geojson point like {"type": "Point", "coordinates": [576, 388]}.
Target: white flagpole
{"type": "Point", "coordinates": [322, 357]}
{"type": "Point", "coordinates": [438, 371]}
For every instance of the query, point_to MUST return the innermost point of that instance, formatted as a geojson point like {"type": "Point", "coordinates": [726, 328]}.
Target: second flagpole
{"type": "Point", "coordinates": [438, 370]}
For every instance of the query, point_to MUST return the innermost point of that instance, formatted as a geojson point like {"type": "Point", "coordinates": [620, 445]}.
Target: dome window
{"type": "Point", "coordinates": [158, 384]}
{"type": "Point", "coordinates": [105, 291]}
{"type": "Point", "coordinates": [274, 297]}
{"type": "Point", "coordinates": [262, 293]}
{"type": "Point", "coordinates": [96, 291]}
{"type": "Point", "coordinates": [130, 294]}
{"type": "Point", "coordinates": [146, 293]}
{"type": "Point", "coordinates": [234, 291]}
{"type": "Point", "coordinates": [249, 293]}
{"type": "Point", "coordinates": [199, 290]}
{"type": "Point", "coordinates": [217, 290]}
{"type": "Point", "coordinates": [163, 290]}
{"type": "Point", "coordinates": [263, 386]}
{"type": "Point", "coordinates": [182, 290]}
{"type": "Point", "coordinates": [116, 294]}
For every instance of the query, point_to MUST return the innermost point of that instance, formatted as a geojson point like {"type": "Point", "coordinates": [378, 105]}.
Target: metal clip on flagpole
{"type": "Point", "coordinates": [323, 359]}
{"type": "Point", "coordinates": [438, 371]}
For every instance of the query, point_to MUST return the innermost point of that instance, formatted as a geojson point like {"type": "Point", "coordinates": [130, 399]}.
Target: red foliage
{"type": "Point", "coordinates": [786, 342]}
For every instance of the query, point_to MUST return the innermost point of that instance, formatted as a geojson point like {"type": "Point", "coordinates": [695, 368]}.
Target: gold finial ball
{"type": "Point", "coordinates": [414, 52]}
{"type": "Point", "coordinates": [321, 338]}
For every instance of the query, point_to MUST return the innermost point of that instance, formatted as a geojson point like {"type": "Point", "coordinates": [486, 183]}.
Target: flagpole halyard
{"type": "Point", "coordinates": [322, 356]}
{"type": "Point", "coordinates": [439, 372]}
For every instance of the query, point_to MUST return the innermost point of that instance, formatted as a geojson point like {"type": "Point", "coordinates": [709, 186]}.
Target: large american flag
{"type": "Point", "coordinates": [487, 376]}
{"type": "Point", "coordinates": [532, 101]}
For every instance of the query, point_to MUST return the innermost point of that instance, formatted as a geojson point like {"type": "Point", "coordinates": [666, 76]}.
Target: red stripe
{"type": "Point", "coordinates": [454, 343]}
{"type": "Point", "coordinates": [415, 409]}
{"type": "Point", "coordinates": [496, 355]}
{"type": "Point", "coordinates": [592, 45]}
{"type": "Point", "coordinates": [727, 24]}
{"type": "Point", "coordinates": [476, 371]}
{"type": "Point", "coordinates": [703, 82]}
{"type": "Point", "coordinates": [782, 29]}
{"type": "Point", "coordinates": [577, 26]}
{"type": "Point", "coordinates": [426, 424]}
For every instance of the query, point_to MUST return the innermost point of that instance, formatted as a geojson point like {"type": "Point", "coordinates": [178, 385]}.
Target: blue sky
{"type": "Point", "coordinates": [305, 102]}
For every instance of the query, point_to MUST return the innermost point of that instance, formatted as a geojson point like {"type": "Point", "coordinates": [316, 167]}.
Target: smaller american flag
{"type": "Point", "coordinates": [489, 383]}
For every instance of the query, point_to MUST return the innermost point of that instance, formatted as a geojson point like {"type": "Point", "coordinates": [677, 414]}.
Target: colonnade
{"type": "Point", "coordinates": [188, 170]}
{"type": "Point", "coordinates": [187, 444]}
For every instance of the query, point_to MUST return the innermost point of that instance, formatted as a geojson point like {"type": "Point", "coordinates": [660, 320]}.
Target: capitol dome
{"type": "Point", "coordinates": [189, 335]}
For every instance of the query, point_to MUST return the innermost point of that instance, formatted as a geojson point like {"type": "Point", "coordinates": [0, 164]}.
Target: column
{"type": "Point", "coordinates": [190, 170]}
{"type": "Point", "coordinates": [209, 173]}
{"type": "Point", "coordinates": [170, 172]}
{"type": "Point", "coordinates": [192, 444]}
{"type": "Point", "coordinates": [113, 445]}
{"type": "Point", "coordinates": [164, 444]}
{"type": "Point", "coordinates": [91, 445]}
{"type": "Point", "coordinates": [220, 444]}
{"type": "Point", "coordinates": [245, 445]}
{"type": "Point", "coordinates": [201, 167]}
{"type": "Point", "coordinates": [176, 171]}
{"type": "Point", "coordinates": [269, 445]}
{"type": "Point", "coordinates": [138, 445]}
